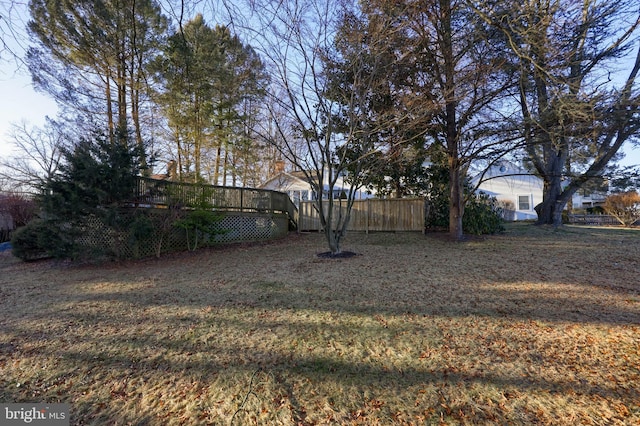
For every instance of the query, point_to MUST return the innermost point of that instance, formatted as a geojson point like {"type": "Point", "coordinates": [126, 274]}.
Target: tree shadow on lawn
{"type": "Point", "coordinates": [606, 304]}
{"type": "Point", "coordinates": [195, 339]}
{"type": "Point", "coordinates": [287, 368]}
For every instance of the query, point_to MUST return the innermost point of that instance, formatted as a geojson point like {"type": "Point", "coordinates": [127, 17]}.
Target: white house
{"type": "Point", "coordinates": [517, 189]}
{"type": "Point", "coordinates": [297, 186]}
{"type": "Point", "coordinates": [587, 197]}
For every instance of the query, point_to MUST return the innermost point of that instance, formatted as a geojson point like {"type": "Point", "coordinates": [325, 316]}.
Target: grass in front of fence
{"type": "Point", "coordinates": [534, 326]}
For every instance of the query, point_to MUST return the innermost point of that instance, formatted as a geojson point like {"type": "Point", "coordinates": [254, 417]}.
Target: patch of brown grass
{"type": "Point", "coordinates": [535, 326]}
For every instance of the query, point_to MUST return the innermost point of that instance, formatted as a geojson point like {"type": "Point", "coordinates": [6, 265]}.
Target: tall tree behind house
{"type": "Point", "coordinates": [91, 57]}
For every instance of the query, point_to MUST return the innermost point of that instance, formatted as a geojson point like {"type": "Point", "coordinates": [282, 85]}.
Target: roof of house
{"type": "Point", "coordinates": [297, 180]}
{"type": "Point", "coordinates": [289, 179]}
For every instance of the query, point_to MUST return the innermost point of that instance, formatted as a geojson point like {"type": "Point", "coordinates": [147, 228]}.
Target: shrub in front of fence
{"type": "Point", "coordinates": [144, 232]}
{"type": "Point", "coordinates": [201, 227]}
{"type": "Point", "coordinates": [482, 214]}
{"type": "Point", "coordinates": [35, 241]}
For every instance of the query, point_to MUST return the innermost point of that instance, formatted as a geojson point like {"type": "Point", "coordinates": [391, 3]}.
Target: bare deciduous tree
{"type": "Point", "coordinates": [312, 131]}
{"type": "Point", "coordinates": [566, 52]}
{"type": "Point", "coordinates": [36, 155]}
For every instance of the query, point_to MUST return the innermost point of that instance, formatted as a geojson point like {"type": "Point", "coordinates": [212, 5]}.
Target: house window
{"type": "Point", "coordinates": [339, 194]}
{"type": "Point", "coordinates": [295, 196]}
{"type": "Point", "coordinates": [524, 202]}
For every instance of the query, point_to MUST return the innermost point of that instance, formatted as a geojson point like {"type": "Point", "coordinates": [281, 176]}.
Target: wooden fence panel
{"type": "Point", "coordinates": [402, 214]}
{"type": "Point", "coordinates": [593, 219]}
{"type": "Point", "coordinates": [308, 218]}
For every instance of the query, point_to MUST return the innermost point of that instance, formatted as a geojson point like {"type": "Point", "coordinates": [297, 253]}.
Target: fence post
{"type": "Point", "coordinates": [366, 222]}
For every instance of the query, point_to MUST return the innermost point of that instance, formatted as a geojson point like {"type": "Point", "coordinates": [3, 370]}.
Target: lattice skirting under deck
{"type": "Point", "coordinates": [124, 241]}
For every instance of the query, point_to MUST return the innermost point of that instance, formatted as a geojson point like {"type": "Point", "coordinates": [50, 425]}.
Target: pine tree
{"type": "Point", "coordinates": [91, 56]}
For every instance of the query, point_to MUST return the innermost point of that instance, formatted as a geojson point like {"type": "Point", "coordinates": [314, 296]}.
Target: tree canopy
{"type": "Point", "coordinates": [366, 90]}
{"type": "Point", "coordinates": [205, 79]}
{"type": "Point", "coordinates": [575, 115]}
{"type": "Point", "coordinates": [91, 56]}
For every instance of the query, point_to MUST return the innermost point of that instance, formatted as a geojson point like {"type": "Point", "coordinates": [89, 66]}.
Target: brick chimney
{"type": "Point", "coordinates": [172, 170]}
{"type": "Point", "coordinates": [279, 166]}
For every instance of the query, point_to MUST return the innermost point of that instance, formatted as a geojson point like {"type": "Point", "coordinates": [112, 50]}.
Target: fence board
{"type": "Point", "coordinates": [399, 214]}
{"type": "Point", "coordinates": [593, 219]}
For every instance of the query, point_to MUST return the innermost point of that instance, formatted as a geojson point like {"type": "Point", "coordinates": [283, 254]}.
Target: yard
{"type": "Point", "coordinates": [534, 326]}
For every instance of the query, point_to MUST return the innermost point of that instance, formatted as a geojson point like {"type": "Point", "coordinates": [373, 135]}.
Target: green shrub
{"type": "Point", "coordinates": [482, 215]}
{"type": "Point", "coordinates": [201, 227]}
{"type": "Point", "coordinates": [80, 203]}
{"type": "Point", "coordinates": [40, 239]}
{"type": "Point", "coordinates": [596, 210]}
{"type": "Point", "coordinates": [140, 231]}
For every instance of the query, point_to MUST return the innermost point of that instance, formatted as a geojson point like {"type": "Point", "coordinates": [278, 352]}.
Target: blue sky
{"type": "Point", "coordinates": [20, 102]}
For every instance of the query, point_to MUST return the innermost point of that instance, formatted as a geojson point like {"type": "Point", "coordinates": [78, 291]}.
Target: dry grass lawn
{"type": "Point", "coordinates": [534, 326]}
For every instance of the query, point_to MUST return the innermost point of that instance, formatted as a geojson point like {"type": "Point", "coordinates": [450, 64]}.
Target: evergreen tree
{"type": "Point", "coordinates": [374, 51]}
{"type": "Point", "coordinates": [203, 77]}
{"type": "Point", "coordinates": [95, 177]}
{"type": "Point", "coordinates": [91, 56]}
{"type": "Point", "coordinates": [95, 174]}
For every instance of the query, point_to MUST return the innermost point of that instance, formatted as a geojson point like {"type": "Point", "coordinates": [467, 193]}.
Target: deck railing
{"type": "Point", "coordinates": [161, 193]}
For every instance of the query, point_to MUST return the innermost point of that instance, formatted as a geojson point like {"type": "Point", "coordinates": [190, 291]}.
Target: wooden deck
{"type": "Point", "coordinates": [162, 194]}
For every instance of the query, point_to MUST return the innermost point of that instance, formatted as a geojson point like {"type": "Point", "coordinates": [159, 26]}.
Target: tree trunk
{"type": "Point", "coordinates": [122, 94]}
{"type": "Point", "coordinates": [197, 140]}
{"type": "Point", "coordinates": [398, 190]}
{"type": "Point", "coordinates": [327, 222]}
{"type": "Point", "coordinates": [456, 204]}
{"type": "Point", "coordinates": [216, 168]}
{"type": "Point", "coordinates": [110, 122]}
{"type": "Point", "coordinates": [135, 116]}
{"type": "Point", "coordinates": [225, 164]}
{"type": "Point", "coordinates": [333, 239]}
{"type": "Point", "coordinates": [550, 210]}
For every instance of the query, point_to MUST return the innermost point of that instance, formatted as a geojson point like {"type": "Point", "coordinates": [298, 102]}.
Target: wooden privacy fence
{"type": "Point", "coordinates": [593, 219]}
{"type": "Point", "coordinates": [399, 214]}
